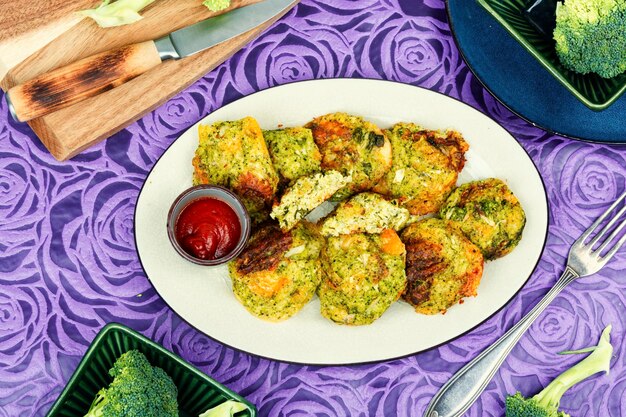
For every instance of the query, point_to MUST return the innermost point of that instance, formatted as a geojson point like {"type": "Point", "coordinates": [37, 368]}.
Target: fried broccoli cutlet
{"type": "Point", "coordinates": [305, 194]}
{"type": "Point", "coordinates": [489, 214]}
{"type": "Point", "coordinates": [426, 164]}
{"type": "Point", "coordinates": [278, 272]}
{"type": "Point", "coordinates": [365, 213]}
{"type": "Point", "coordinates": [293, 152]}
{"type": "Point", "coordinates": [233, 154]}
{"type": "Point", "coordinates": [354, 147]}
{"type": "Point", "coordinates": [442, 266]}
{"type": "Point", "coordinates": [364, 275]}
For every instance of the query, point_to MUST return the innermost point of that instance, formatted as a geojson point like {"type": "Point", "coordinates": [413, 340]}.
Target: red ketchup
{"type": "Point", "coordinates": [208, 228]}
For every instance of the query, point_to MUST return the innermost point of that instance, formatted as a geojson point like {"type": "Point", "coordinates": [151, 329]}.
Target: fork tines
{"type": "Point", "coordinates": [611, 243]}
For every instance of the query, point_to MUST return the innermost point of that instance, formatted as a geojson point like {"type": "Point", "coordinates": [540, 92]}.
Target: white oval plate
{"type": "Point", "coordinates": [202, 295]}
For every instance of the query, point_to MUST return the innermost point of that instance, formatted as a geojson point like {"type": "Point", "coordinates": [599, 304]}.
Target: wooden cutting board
{"type": "Point", "coordinates": [36, 37]}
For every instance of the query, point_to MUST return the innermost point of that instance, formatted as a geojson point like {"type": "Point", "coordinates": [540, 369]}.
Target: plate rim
{"type": "Point", "coordinates": [348, 364]}
{"type": "Point", "coordinates": [516, 112]}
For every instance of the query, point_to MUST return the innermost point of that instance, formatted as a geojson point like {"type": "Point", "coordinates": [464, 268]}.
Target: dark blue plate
{"type": "Point", "coordinates": [519, 81]}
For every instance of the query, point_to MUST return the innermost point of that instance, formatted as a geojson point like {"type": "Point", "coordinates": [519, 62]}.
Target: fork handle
{"type": "Point", "coordinates": [460, 392]}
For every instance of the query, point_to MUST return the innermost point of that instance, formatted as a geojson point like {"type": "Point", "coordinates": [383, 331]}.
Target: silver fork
{"type": "Point", "coordinates": [460, 392]}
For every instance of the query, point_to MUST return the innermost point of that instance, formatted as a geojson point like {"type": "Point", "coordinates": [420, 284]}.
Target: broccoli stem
{"type": "Point", "coordinates": [96, 406]}
{"type": "Point", "coordinates": [226, 409]}
{"type": "Point", "coordinates": [598, 361]}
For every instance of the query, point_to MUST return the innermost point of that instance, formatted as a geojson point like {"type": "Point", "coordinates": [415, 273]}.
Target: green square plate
{"type": "Point", "coordinates": [196, 391]}
{"type": "Point", "coordinates": [595, 92]}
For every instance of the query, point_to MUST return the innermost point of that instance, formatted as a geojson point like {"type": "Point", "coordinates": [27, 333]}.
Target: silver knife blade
{"type": "Point", "coordinates": [215, 30]}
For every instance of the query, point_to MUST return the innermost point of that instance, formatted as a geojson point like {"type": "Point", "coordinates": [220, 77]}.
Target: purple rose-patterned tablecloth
{"type": "Point", "coordinates": [68, 263]}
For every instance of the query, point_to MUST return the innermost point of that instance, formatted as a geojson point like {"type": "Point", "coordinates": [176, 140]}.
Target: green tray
{"type": "Point", "coordinates": [595, 92]}
{"type": "Point", "coordinates": [196, 391]}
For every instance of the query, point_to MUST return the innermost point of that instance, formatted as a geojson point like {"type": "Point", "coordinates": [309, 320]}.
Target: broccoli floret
{"type": "Point", "coordinates": [546, 403]}
{"type": "Point", "coordinates": [138, 390]}
{"type": "Point", "coordinates": [590, 36]}
{"type": "Point", "coordinates": [216, 5]}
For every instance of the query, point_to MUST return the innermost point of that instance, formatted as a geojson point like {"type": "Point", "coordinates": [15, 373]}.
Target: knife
{"type": "Point", "coordinates": [98, 73]}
